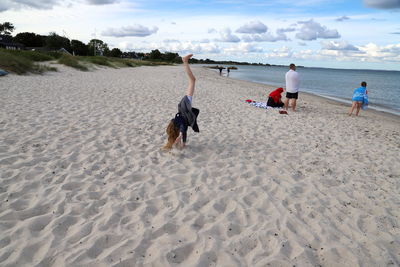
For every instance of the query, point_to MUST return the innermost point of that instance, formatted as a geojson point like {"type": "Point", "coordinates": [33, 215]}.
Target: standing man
{"type": "Point", "coordinates": [292, 87]}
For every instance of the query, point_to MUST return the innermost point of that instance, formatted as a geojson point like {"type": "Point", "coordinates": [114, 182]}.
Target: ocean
{"type": "Point", "coordinates": [337, 84]}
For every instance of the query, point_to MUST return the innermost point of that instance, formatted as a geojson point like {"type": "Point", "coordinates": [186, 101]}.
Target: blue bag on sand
{"type": "Point", "coordinates": [3, 72]}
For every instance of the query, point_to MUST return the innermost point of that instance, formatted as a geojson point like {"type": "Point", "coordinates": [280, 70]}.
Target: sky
{"type": "Point", "coordinates": [357, 34]}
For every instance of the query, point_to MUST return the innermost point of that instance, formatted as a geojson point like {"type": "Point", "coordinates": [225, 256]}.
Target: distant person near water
{"type": "Point", "coordinates": [186, 116]}
{"type": "Point", "coordinates": [220, 70]}
{"type": "Point", "coordinates": [292, 87]}
{"type": "Point", "coordinates": [274, 98]}
{"type": "Point", "coordinates": [360, 99]}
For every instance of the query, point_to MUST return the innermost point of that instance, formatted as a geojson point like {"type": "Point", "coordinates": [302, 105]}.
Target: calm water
{"type": "Point", "coordinates": [339, 84]}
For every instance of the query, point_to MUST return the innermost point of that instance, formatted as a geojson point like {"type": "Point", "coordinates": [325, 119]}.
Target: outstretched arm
{"type": "Point", "coordinates": [192, 79]}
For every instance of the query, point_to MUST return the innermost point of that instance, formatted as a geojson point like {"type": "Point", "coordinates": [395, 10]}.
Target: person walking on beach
{"type": "Point", "coordinates": [360, 99]}
{"type": "Point", "coordinates": [220, 70]}
{"type": "Point", "coordinates": [292, 87]}
{"type": "Point", "coordinates": [186, 116]}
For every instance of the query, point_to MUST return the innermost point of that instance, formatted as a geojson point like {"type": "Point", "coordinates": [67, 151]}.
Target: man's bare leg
{"type": "Point", "coordinates": [192, 79]}
{"type": "Point", "coordinates": [294, 104]}
{"type": "Point", "coordinates": [286, 103]}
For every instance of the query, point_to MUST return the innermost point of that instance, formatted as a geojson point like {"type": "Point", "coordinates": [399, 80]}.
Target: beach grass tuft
{"type": "Point", "coordinates": [98, 60]}
{"type": "Point", "coordinates": [72, 61]}
{"type": "Point", "coordinates": [31, 55]}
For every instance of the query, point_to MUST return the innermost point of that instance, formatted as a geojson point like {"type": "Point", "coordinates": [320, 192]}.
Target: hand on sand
{"type": "Point", "coordinates": [186, 58]}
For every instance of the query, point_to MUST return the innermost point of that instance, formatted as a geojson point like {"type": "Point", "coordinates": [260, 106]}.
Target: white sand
{"type": "Point", "coordinates": [83, 181]}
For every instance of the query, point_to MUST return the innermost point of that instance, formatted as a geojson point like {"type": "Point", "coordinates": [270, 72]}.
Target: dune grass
{"type": "Point", "coordinates": [73, 62]}
{"type": "Point", "coordinates": [22, 61]}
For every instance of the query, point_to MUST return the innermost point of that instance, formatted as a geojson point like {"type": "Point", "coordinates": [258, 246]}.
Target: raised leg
{"type": "Point", "coordinates": [192, 79]}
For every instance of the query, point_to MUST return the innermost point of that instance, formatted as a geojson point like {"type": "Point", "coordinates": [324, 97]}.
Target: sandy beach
{"type": "Point", "coordinates": [84, 181]}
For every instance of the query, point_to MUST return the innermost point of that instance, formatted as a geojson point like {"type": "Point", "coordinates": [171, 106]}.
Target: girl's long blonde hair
{"type": "Point", "coordinates": [172, 133]}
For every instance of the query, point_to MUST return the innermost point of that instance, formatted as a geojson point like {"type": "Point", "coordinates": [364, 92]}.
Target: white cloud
{"type": "Point", "coordinates": [344, 46]}
{"type": "Point", "coordinates": [382, 4]}
{"type": "Point", "coordinates": [227, 36]}
{"type": "Point", "coordinates": [171, 41]}
{"type": "Point", "coordinates": [204, 41]}
{"type": "Point", "coordinates": [382, 53]}
{"type": "Point", "coordinates": [101, 2]}
{"type": "Point", "coordinates": [178, 47]}
{"type": "Point", "coordinates": [312, 30]}
{"type": "Point", "coordinates": [33, 4]}
{"type": "Point", "coordinates": [47, 4]}
{"type": "Point", "coordinates": [243, 48]}
{"type": "Point", "coordinates": [283, 52]}
{"type": "Point", "coordinates": [253, 27]}
{"type": "Point", "coordinates": [283, 30]}
{"type": "Point", "coordinates": [136, 30]}
{"type": "Point", "coordinates": [265, 37]}
{"type": "Point", "coordinates": [339, 52]}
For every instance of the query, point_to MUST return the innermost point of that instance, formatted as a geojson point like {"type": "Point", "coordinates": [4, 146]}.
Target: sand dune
{"type": "Point", "coordinates": [84, 181]}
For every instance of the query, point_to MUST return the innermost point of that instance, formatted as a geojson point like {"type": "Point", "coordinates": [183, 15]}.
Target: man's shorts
{"type": "Point", "coordinates": [292, 95]}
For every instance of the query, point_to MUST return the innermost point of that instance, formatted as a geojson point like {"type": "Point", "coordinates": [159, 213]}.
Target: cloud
{"type": "Point", "coordinates": [395, 32]}
{"type": "Point", "coordinates": [343, 46]}
{"type": "Point", "coordinates": [342, 18]}
{"type": "Point", "coordinates": [382, 4]}
{"type": "Point", "coordinates": [367, 53]}
{"type": "Point", "coordinates": [312, 30]}
{"type": "Point", "coordinates": [189, 47]}
{"type": "Point", "coordinates": [175, 47]}
{"type": "Point", "coordinates": [253, 27]}
{"type": "Point", "coordinates": [265, 37]}
{"type": "Point", "coordinates": [243, 48]}
{"type": "Point", "coordinates": [34, 4]}
{"type": "Point", "coordinates": [227, 36]}
{"type": "Point", "coordinates": [204, 41]}
{"type": "Point", "coordinates": [343, 52]}
{"type": "Point", "coordinates": [46, 4]}
{"type": "Point", "coordinates": [283, 52]}
{"type": "Point", "coordinates": [137, 31]}
{"type": "Point", "coordinates": [282, 30]}
{"type": "Point", "coordinates": [212, 30]}
{"type": "Point", "coordinates": [171, 41]}
{"type": "Point", "coordinates": [101, 2]}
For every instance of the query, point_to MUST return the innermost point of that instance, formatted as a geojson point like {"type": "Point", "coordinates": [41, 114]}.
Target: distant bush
{"type": "Point", "coordinates": [71, 61]}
